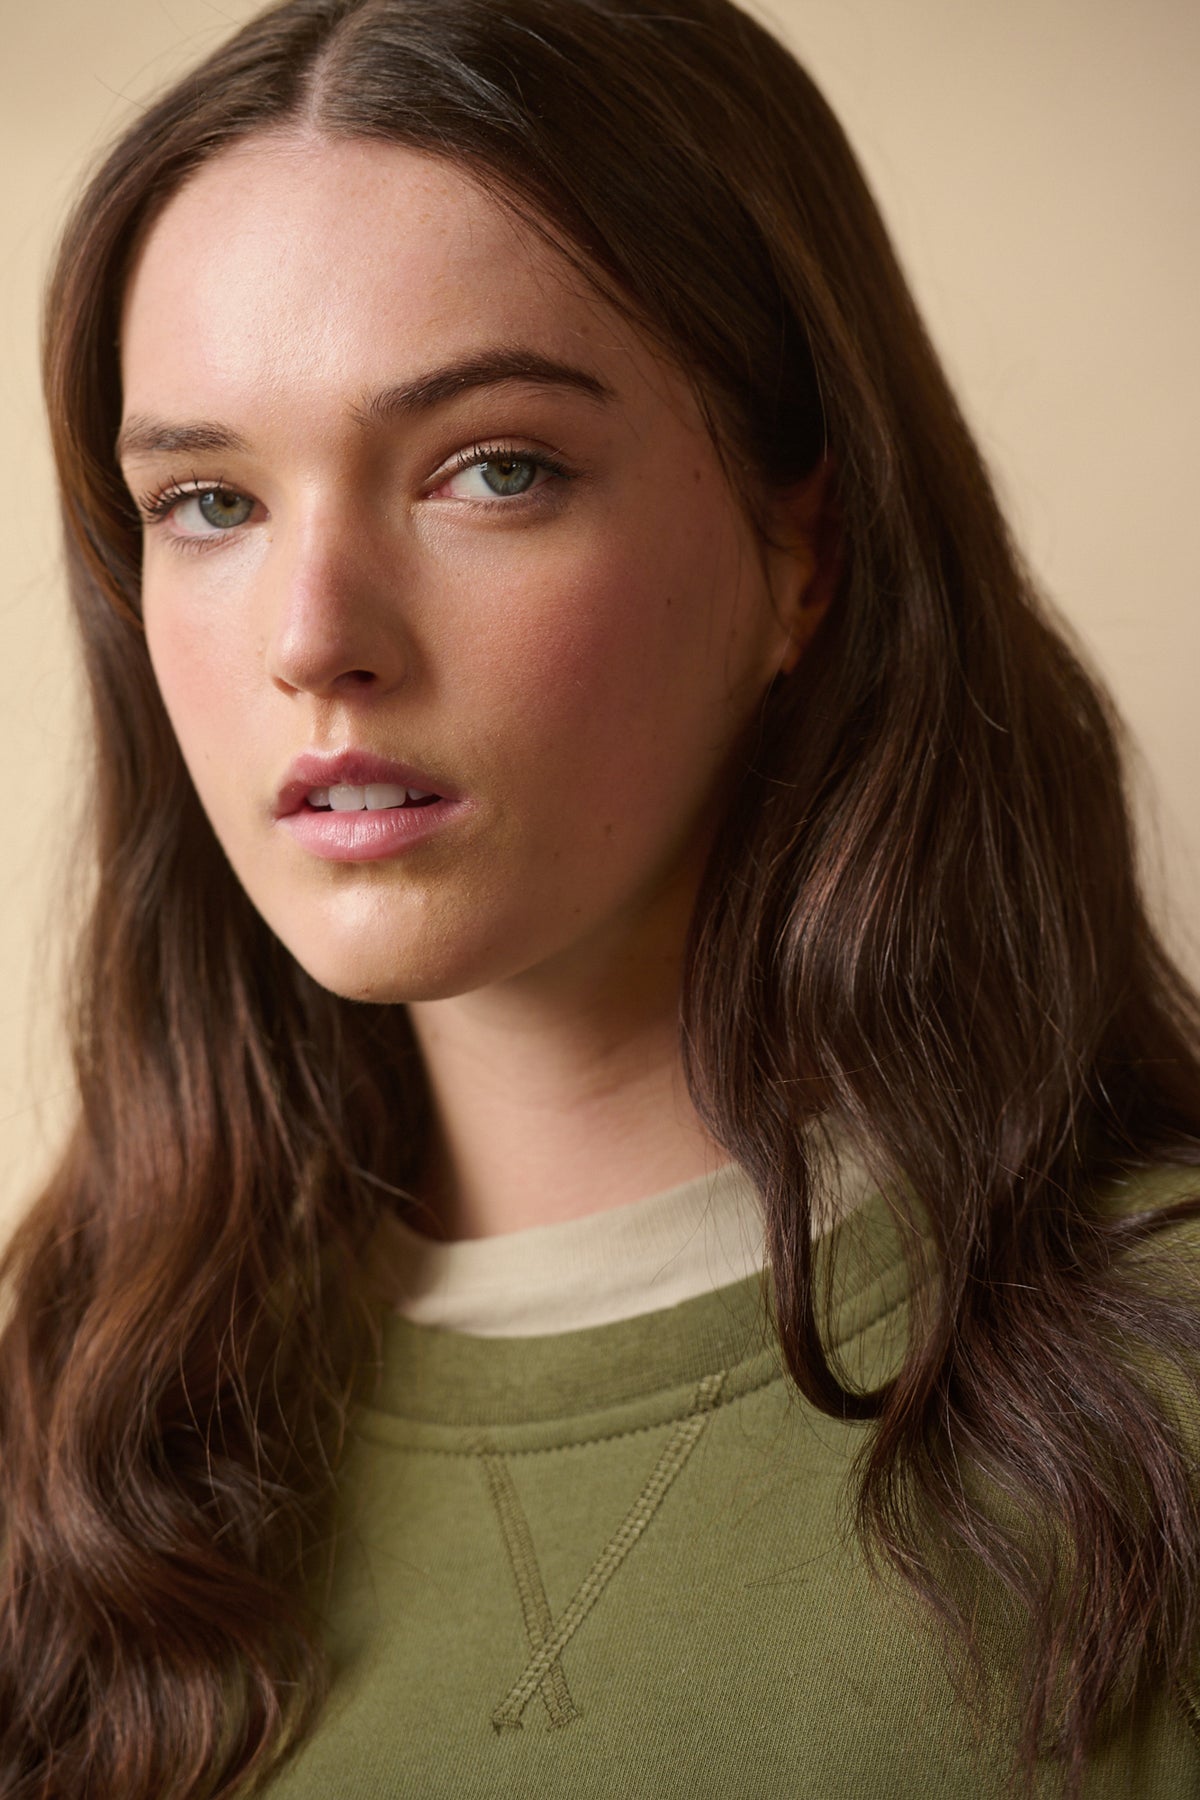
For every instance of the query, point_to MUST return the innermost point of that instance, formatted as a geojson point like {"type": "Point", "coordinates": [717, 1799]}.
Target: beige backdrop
{"type": "Point", "coordinates": [1037, 160]}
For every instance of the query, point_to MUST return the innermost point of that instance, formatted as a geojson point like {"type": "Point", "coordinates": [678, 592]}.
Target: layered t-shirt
{"type": "Point", "coordinates": [593, 1543]}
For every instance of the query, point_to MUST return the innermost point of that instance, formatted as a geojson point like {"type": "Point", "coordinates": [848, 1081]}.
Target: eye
{"type": "Point", "coordinates": [221, 509]}
{"type": "Point", "coordinates": [498, 474]}
{"type": "Point", "coordinates": [197, 512]}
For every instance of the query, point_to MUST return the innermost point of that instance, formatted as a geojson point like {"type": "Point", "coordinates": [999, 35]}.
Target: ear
{"type": "Point", "coordinates": [803, 555]}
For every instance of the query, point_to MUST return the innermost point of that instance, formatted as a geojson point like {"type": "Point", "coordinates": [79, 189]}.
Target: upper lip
{"type": "Point", "coordinates": [350, 768]}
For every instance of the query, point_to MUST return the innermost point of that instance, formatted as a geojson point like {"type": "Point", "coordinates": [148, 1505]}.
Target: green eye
{"type": "Point", "coordinates": [508, 474]}
{"type": "Point", "coordinates": [223, 509]}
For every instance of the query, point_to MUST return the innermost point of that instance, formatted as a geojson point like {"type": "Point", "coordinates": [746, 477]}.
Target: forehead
{"type": "Point", "coordinates": [292, 261]}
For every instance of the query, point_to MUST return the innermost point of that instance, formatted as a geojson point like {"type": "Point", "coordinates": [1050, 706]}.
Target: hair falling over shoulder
{"type": "Point", "coordinates": [921, 924]}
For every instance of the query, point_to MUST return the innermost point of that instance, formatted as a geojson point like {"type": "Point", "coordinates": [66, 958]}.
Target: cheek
{"type": "Point", "coordinates": [201, 673]}
{"type": "Point", "coordinates": [628, 641]}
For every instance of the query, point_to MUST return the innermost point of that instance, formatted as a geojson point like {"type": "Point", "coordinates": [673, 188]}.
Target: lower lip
{"type": "Point", "coordinates": [362, 836]}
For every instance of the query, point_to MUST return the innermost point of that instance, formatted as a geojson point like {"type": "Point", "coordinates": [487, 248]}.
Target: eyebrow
{"type": "Point", "coordinates": [141, 435]}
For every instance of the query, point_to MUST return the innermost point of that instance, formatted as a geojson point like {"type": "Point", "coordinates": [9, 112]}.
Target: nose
{"type": "Point", "coordinates": [335, 621]}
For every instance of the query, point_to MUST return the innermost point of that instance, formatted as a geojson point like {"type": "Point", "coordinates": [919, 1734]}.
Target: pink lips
{"type": "Point", "coordinates": [362, 836]}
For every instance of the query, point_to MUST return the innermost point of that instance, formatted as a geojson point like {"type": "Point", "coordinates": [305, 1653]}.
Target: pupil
{"type": "Point", "coordinates": [508, 475]}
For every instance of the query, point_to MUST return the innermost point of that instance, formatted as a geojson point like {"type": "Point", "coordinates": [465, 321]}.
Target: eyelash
{"type": "Point", "coordinates": [502, 452]}
{"type": "Point", "coordinates": [156, 507]}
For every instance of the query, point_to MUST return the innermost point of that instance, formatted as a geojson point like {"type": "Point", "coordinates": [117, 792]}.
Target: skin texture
{"type": "Point", "coordinates": [576, 662]}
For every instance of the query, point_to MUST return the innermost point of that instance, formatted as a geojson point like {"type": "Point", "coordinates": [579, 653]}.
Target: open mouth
{"type": "Point", "coordinates": [379, 796]}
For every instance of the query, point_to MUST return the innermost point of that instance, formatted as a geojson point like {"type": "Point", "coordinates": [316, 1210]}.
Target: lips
{"type": "Point", "coordinates": [396, 826]}
{"type": "Point", "coordinates": [353, 769]}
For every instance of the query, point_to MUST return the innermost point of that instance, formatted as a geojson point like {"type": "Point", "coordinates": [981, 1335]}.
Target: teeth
{"type": "Point", "coordinates": [347, 799]}
{"type": "Point", "coordinates": [381, 794]}
{"type": "Point", "coordinates": [377, 796]}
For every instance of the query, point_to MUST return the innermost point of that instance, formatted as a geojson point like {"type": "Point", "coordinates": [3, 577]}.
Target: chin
{"type": "Point", "coordinates": [384, 955]}
{"type": "Point", "coordinates": [382, 973]}
{"type": "Point", "coordinates": [371, 983]}
{"type": "Point", "coordinates": [358, 946]}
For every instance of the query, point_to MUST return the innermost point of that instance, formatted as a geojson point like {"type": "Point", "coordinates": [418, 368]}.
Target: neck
{"type": "Point", "coordinates": [551, 1104]}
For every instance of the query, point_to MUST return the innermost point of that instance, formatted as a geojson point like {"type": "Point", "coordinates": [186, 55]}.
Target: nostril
{"type": "Point", "coordinates": [361, 677]}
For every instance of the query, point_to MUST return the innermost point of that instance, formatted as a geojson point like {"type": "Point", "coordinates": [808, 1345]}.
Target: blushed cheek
{"type": "Point", "coordinates": [611, 704]}
{"type": "Point", "coordinates": [202, 680]}
{"type": "Point", "coordinates": [582, 670]}
{"type": "Point", "coordinates": [635, 646]}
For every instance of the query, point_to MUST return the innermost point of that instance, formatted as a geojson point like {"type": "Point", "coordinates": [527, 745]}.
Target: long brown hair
{"type": "Point", "coordinates": [921, 925]}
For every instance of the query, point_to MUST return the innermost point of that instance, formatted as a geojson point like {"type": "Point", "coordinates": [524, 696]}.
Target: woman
{"type": "Point", "coordinates": [535, 581]}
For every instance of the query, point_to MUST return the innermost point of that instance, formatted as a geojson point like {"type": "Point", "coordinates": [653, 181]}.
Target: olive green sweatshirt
{"type": "Point", "coordinates": [616, 1563]}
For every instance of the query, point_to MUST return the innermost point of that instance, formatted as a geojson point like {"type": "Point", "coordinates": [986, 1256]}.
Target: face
{"type": "Point", "coordinates": [455, 615]}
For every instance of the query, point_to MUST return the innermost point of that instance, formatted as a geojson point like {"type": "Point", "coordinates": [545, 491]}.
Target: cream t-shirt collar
{"type": "Point", "coordinates": [617, 1264]}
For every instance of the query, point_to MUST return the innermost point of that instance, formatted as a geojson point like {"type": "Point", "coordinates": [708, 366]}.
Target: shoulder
{"type": "Point", "coordinates": [1154, 1215]}
{"type": "Point", "coordinates": [1154, 1188]}
{"type": "Point", "coordinates": [1151, 1217]}
{"type": "Point", "coordinates": [1150, 1221]}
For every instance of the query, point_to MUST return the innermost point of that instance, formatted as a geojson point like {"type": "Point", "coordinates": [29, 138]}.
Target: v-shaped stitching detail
{"type": "Point", "coordinates": [546, 1639]}
{"type": "Point", "coordinates": [535, 1607]}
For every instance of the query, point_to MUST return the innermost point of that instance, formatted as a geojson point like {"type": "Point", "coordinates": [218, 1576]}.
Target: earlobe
{"type": "Point", "coordinates": [806, 557]}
